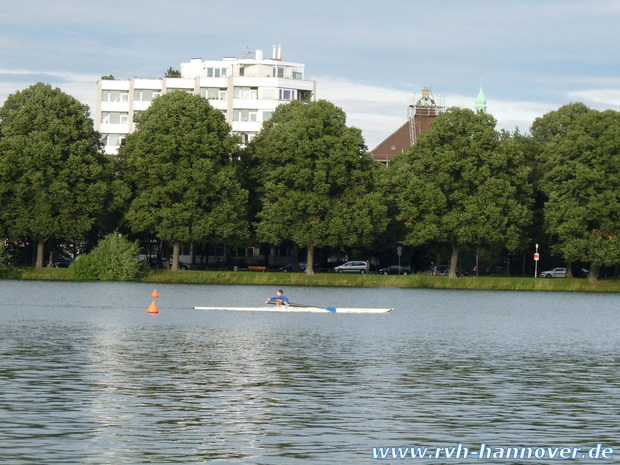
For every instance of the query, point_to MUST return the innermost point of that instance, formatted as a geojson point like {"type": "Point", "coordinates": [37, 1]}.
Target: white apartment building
{"type": "Point", "coordinates": [246, 90]}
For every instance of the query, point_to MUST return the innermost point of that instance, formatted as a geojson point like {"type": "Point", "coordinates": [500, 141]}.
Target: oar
{"type": "Point", "coordinates": [329, 309]}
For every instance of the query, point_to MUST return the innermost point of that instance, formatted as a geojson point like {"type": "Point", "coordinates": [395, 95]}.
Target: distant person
{"type": "Point", "coordinates": [50, 262]}
{"type": "Point", "coordinates": [280, 299]}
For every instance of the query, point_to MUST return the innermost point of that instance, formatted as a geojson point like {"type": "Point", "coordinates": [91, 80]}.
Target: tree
{"type": "Point", "coordinates": [170, 72]}
{"type": "Point", "coordinates": [316, 180]}
{"type": "Point", "coordinates": [580, 170]}
{"type": "Point", "coordinates": [53, 176]}
{"type": "Point", "coordinates": [180, 167]}
{"type": "Point", "coordinates": [462, 184]}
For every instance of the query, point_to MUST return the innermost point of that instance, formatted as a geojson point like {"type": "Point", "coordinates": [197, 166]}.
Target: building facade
{"type": "Point", "coordinates": [247, 90]}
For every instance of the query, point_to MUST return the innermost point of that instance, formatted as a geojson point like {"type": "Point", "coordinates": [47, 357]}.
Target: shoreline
{"type": "Point", "coordinates": [413, 281]}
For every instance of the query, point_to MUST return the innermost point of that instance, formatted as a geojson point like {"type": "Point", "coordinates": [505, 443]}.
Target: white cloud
{"type": "Point", "coordinates": [80, 86]}
{"type": "Point", "coordinates": [379, 111]}
{"type": "Point", "coordinates": [605, 97]}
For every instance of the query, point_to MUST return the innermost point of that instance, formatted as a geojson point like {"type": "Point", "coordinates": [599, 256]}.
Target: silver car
{"type": "Point", "coordinates": [352, 267]}
{"type": "Point", "coordinates": [554, 273]}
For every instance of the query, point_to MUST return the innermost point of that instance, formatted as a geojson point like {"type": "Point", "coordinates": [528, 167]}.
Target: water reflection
{"type": "Point", "coordinates": [98, 381]}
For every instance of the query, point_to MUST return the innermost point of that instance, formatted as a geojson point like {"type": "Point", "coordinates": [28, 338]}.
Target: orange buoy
{"type": "Point", "coordinates": [152, 308]}
{"type": "Point", "coordinates": [155, 294]}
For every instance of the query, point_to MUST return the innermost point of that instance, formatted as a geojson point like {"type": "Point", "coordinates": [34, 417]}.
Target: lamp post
{"type": "Point", "coordinates": [536, 258]}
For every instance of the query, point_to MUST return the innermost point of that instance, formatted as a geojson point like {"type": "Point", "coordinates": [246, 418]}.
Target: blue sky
{"type": "Point", "coordinates": [368, 57]}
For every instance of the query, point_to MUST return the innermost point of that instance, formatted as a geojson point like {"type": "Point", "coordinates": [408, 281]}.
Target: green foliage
{"type": "Point", "coordinates": [114, 259]}
{"type": "Point", "coordinates": [170, 72]}
{"type": "Point", "coordinates": [316, 179]}
{"type": "Point", "coordinates": [462, 185]}
{"type": "Point", "coordinates": [7, 270]}
{"type": "Point", "coordinates": [579, 156]}
{"type": "Point", "coordinates": [180, 171]}
{"type": "Point", "coordinates": [53, 178]}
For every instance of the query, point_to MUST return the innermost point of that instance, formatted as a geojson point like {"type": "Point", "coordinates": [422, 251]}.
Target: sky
{"type": "Point", "coordinates": [371, 58]}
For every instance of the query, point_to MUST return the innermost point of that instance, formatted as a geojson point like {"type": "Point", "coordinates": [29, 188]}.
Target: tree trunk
{"type": "Point", "coordinates": [40, 250]}
{"type": "Point", "coordinates": [176, 250]}
{"type": "Point", "coordinates": [569, 269]}
{"type": "Point", "coordinates": [310, 261]}
{"type": "Point", "coordinates": [453, 262]}
{"type": "Point", "coordinates": [593, 275]}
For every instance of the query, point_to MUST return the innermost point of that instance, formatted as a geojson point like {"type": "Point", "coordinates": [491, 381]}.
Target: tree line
{"type": "Point", "coordinates": [308, 178]}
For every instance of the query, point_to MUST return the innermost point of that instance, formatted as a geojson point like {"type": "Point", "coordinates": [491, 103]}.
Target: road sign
{"type": "Point", "coordinates": [536, 256]}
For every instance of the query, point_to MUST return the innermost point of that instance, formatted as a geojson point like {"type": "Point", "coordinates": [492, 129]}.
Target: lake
{"type": "Point", "coordinates": [87, 376]}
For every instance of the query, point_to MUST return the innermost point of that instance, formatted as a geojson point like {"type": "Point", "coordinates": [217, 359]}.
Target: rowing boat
{"type": "Point", "coordinates": [299, 309]}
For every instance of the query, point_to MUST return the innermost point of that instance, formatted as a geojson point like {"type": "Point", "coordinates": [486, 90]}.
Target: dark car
{"type": "Point", "coordinates": [60, 262]}
{"type": "Point", "coordinates": [581, 273]}
{"type": "Point", "coordinates": [288, 268]}
{"type": "Point", "coordinates": [444, 270]}
{"type": "Point", "coordinates": [160, 264]}
{"type": "Point", "coordinates": [395, 269]}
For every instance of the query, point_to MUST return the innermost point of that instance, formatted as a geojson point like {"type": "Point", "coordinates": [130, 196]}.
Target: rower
{"type": "Point", "coordinates": [280, 299]}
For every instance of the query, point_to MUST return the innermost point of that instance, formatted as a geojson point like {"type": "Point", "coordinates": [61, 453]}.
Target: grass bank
{"type": "Point", "coordinates": [416, 281]}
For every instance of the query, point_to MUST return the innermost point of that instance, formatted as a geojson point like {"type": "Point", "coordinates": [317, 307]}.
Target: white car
{"type": "Point", "coordinates": [352, 267]}
{"type": "Point", "coordinates": [554, 273]}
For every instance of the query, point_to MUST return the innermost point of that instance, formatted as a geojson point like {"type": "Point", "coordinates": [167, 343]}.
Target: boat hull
{"type": "Point", "coordinates": [291, 309]}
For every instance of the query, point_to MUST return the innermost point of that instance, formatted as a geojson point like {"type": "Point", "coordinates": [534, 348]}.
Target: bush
{"type": "Point", "coordinates": [7, 270]}
{"type": "Point", "coordinates": [113, 259]}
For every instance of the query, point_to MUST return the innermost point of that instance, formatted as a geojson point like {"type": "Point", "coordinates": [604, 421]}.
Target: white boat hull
{"type": "Point", "coordinates": [291, 309]}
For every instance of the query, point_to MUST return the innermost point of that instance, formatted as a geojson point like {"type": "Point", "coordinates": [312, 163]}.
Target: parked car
{"type": "Point", "coordinates": [159, 263]}
{"type": "Point", "coordinates": [581, 273]}
{"type": "Point", "coordinates": [558, 272]}
{"type": "Point", "coordinates": [60, 262]}
{"type": "Point", "coordinates": [288, 268]}
{"type": "Point", "coordinates": [352, 267]}
{"type": "Point", "coordinates": [444, 270]}
{"type": "Point", "coordinates": [395, 269]}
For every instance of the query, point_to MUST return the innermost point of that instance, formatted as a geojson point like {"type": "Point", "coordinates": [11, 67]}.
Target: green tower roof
{"type": "Point", "coordinates": [481, 101]}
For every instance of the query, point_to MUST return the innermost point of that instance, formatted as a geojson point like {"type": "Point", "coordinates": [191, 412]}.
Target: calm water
{"type": "Point", "coordinates": [88, 377]}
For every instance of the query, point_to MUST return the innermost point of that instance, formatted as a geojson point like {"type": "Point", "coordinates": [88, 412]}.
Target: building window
{"type": "Point", "coordinates": [304, 95]}
{"type": "Point", "coordinates": [173, 89]}
{"type": "Point", "coordinates": [267, 115]}
{"type": "Point", "coordinates": [114, 96]}
{"type": "Point", "coordinates": [244, 115]}
{"type": "Point", "coordinates": [287, 94]}
{"type": "Point", "coordinates": [245, 92]}
{"type": "Point", "coordinates": [114, 117]}
{"type": "Point", "coordinates": [278, 71]}
{"type": "Point", "coordinates": [216, 72]}
{"type": "Point", "coordinates": [213, 93]}
{"type": "Point", "coordinates": [283, 251]}
{"type": "Point", "coordinates": [244, 137]}
{"type": "Point", "coordinates": [269, 93]}
{"type": "Point", "coordinates": [145, 95]}
{"type": "Point", "coordinates": [112, 140]}
{"type": "Point", "coordinates": [246, 252]}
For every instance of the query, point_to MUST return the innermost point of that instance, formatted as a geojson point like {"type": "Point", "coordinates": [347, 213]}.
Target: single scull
{"type": "Point", "coordinates": [299, 309]}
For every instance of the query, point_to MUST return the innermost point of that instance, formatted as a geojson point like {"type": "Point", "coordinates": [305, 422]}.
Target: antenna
{"type": "Point", "coordinates": [248, 52]}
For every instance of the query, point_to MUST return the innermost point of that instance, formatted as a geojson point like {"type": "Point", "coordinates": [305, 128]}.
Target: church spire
{"type": "Point", "coordinates": [481, 101]}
